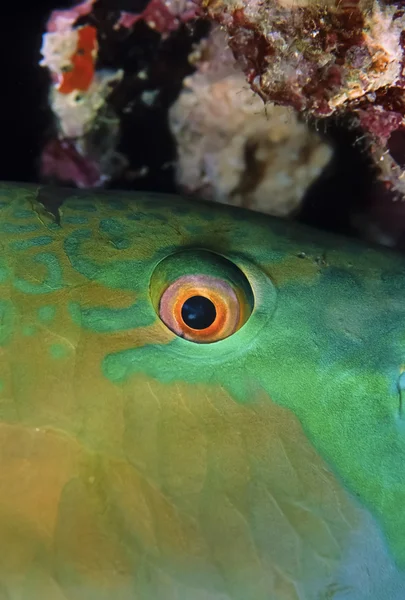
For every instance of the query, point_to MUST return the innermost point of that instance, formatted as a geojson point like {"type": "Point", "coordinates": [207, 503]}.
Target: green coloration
{"type": "Point", "coordinates": [28, 330]}
{"type": "Point", "coordinates": [76, 220]}
{"type": "Point", "coordinates": [133, 217]}
{"type": "Point", "coordinates": [15, 228]}
{"type": "Point", "coordinates": [42, 240]}
{"type": "Point", "coordinates": [195, 229]}
{"type": "Point", "coordinates": [84, 207]}
{"type": "Point", "coordinates": [51, 282]}
{"type": "Point", "coordinates": [116, 233]}
{"type": "Point", "coordinates": [116, 205]}
{"type": "Point", "coordinates": [22, 214]}
{"type": "Point", "coordinates": [58, 351]}
{"type": "Point", "coordinates": [265, 466]}
{"type": "Point", "coordinates": [103, 320]}
{"type": "Point", "coordinates": [3, 273]}
{"type": "Point", "coordinates": [7, 321]}
{"type": "Point", "coordinates": [112, 227]}
{"type": "Point", "coordinates": [53, 226]}
{"type": "Point", "coordinates": [46, 313]}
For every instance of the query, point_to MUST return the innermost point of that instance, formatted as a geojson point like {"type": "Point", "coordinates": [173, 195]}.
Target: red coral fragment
{"type": "Point", "coordinates": [379, 122]}
{"type": "Point", "coordinates": [158, 16]}
{"type": "Point", "coordinates": [81, 73]}
{"type": "Point", "coordinates": [127, 20]}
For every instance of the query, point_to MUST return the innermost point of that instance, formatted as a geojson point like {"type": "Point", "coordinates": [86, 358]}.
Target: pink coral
{"type": "Point", "coordinates": [164, 17]}
{"type": "Point", "coordinates": [63, 20]}
{"type": "Point", "coordinates": [63, 162]}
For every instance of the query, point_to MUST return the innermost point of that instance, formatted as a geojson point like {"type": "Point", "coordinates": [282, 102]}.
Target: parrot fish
{"type": "Point", "coordinates": [197, 402]}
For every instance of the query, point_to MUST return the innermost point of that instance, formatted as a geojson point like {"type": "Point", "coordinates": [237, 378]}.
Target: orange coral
{"type": "Point", "coordinates": [81, 72]}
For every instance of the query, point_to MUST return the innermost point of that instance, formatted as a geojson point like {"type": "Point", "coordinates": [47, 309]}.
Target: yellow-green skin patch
{"type": "Point", "coordinates": [137, 465]}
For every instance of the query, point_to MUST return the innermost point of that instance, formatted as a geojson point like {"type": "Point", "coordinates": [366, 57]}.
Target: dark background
{"type": "Point", "coordinates": [24, 114]}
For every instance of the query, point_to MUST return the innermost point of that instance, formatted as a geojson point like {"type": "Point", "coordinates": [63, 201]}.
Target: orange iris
{"type": "Point", "coordinates": [229, 307]}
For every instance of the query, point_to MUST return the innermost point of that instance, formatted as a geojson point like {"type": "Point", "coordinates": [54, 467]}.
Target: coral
{"type": "Point", "coordinates": [162, 16]}
{"type": "Point", "coordinates": [88, 121]}
{"type": "Point", "coordinates": [63, 20]}
{"type": "Point", "coordinates": [325, 58]}
{"type": "Point", "coordinates": [80, 111]}
{"type": "Point", "coordinates": [78, 97]}
{"type": "Point", "coordinates": [84, 151]}
{"type": "Point", "coordinates": [79, 74]}
{"type": "Point", "coordinates": [229, 149]}
{"type": "Point", "coordinates": [70, 56]}
{"type": "Point", "coordinates": [313, 56]}
{"type": "Point", "coordinates": [62, 161]}
{"type": "Point", "coordinates": [318, 58]}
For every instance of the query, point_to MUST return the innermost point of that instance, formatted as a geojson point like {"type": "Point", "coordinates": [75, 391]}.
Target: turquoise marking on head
{"type": "Point", "coordinates": [82, 206]}
{"type": "Point", "coordinates": [14, 228]}
{"type": "Point", "coordinates": [42, 240]}
{"type": "Point", "coordinates": [52, 280]}
{"type": "Point", "coordinates": [7, 321]}
{"type": "Point", "coordinates": [46, 313]}
{"type": "Point", "coordinates": [103, 320]}
{"type": "Point", "coordinates": [4, 272]}
{"type": "Point", "coordinates": [22, 214]}
{"type": "Point", "coordinates": [76, 220]}
{"type": "Point", "coordinates": [58, 351]}
{"type": "Point", "coordinates": [28, 330]}
{"type": "Point", "coordinates": [113, 227]}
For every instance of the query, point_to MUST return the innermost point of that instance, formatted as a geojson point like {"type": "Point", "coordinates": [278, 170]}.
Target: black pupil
{"type": "Point", "coordinates": [198, 312]}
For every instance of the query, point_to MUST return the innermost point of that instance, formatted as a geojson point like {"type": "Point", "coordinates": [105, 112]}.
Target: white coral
{"type": "Point", "coordinates": [232, 150]}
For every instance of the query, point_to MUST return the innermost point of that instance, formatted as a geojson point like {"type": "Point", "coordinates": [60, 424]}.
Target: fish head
{"type": "Point", "coordinates": [197, 402]}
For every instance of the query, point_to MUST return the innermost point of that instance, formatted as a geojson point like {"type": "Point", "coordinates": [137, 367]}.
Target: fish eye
{"type": "Point", "coordinates": [201, 296]}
